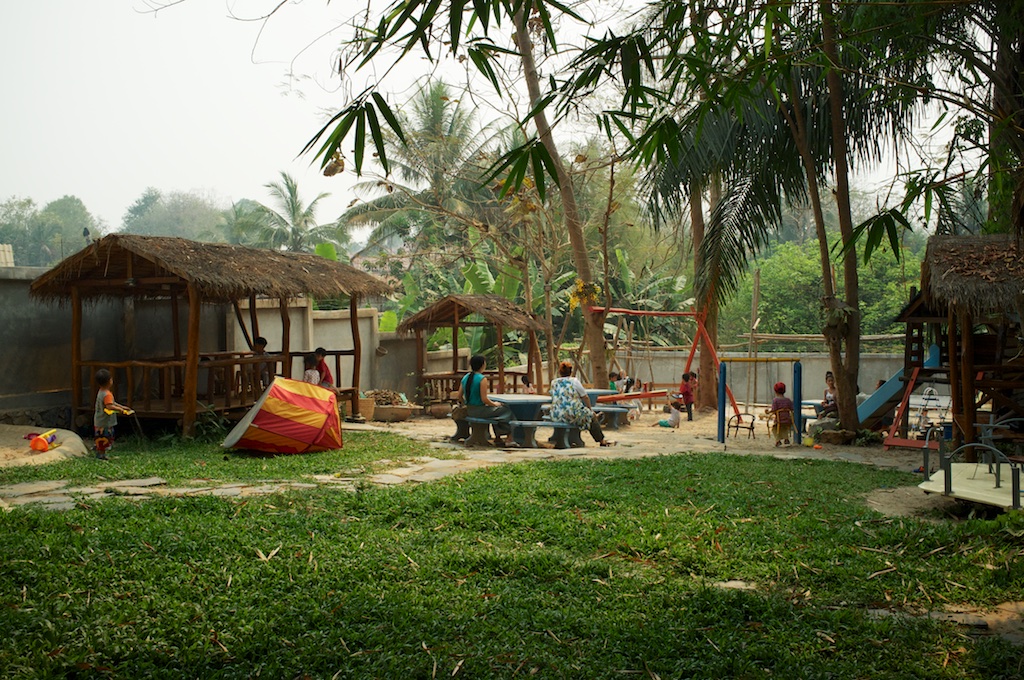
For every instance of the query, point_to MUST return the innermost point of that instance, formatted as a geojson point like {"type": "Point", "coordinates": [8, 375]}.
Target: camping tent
{"type": "Point", "coordinates": [290, 417]}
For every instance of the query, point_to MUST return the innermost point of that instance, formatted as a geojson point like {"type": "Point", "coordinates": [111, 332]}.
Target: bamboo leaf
{"type": "Point", "coordinates": [389, 116]}
{"type": "Point", "coordinates": [360, 140]}
{"type": "Point", "coordinates": [378, 138]}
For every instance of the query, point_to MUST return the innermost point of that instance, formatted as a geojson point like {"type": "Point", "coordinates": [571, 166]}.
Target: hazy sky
{"type": "Point", "coordinates": [104, 99]}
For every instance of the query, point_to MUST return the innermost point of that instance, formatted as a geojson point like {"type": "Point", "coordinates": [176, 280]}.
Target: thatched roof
{"type": "Point", "coordinates": [983, 274]}
{"type": "Point", "coordinates": [126, 265]}
{"type": "Point", "coordinates": [493, 308]}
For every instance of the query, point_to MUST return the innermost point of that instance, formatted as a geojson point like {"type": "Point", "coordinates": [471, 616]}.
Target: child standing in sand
{"type": "Point", "coordinates": [686, 394]}
{"type": "Point", "coordinates": [782, 407]}
{"type": "Point", "coordinates": [104, 418]}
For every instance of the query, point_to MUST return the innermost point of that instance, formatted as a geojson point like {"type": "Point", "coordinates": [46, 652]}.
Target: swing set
{"type": "Point", "coordinates": [702, 332]}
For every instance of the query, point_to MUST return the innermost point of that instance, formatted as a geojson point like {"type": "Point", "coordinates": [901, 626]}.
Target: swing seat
{"type": "Point", "coordinates": [741, 421]}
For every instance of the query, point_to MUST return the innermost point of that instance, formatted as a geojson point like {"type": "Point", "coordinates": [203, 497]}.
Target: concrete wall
{"type": "Point", "coordinates": [396, 364]}
{"type": "Point", "coordinates": [665, 368]}
{"type": "Point", "coordinates": [35, 348]}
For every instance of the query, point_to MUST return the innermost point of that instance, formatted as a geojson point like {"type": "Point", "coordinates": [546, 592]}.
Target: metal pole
{"type": "Point", "coordinates": [721, 402]}
{"type": "Point", "coordinates": [798, 393]}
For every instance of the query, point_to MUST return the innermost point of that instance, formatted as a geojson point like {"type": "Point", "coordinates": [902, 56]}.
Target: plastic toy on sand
{"type": "Point", "coordinates": [44, 442]}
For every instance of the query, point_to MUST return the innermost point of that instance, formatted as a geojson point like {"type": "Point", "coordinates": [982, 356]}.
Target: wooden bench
{"type": "Point", "coordinates": [525, 433]}
{"type": "Point", "coordinates": [611, 414]}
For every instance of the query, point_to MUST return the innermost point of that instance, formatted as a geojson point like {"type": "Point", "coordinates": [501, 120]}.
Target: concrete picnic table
{"type": "Point", "coordinates": [525, 407]}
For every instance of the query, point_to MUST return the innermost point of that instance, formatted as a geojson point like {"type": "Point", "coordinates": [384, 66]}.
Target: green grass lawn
{"type": "Point", "coordinates": [574, 569]}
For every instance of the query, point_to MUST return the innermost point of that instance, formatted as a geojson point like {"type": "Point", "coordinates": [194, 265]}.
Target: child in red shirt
{"type": "Point", "coordinates": [686, 394]}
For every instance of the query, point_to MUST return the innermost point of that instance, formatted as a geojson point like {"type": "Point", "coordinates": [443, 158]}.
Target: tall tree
{"type": "Point", "coordinates": [424, 22]}
{"type": "Point", "coordinates": [436, 185]}
{"type": "Point", "coordinates": [43, 237]}
{"type": "Point", "coordinates": [291, 224]}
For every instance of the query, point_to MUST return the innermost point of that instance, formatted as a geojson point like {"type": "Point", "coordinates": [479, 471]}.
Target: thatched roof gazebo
{"type": "Point", "coordinates": [130, 267]}
{"type": "Point", "coordinates": [978, 282]}
{"type": "Point", "coordinates": [462, 311]}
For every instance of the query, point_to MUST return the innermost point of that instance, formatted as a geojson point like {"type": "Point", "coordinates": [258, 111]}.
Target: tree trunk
{"type": "Point", "coordinates": [707, 389]}
{"type": "Point", "coordinates": [842, 322]}
{"type": "Point", "coordinates": [1005, 185]}
{"type": "Point", "coordinates": [594, 322]}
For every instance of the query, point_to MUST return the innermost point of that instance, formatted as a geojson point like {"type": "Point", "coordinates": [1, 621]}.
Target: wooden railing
{"type": "Point", "coordinates": [438, 386]}
{"type": "Point", "coordinates": [153, 387]}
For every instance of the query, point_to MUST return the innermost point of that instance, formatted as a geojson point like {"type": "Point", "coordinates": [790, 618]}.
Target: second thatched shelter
{"type": "Point", "coordinates": [466, 311]}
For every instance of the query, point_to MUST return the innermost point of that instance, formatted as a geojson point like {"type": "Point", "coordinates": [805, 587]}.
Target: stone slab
{"type": "Point", "coordinates": [59, 507]}
{"type": "Point", "coordinates": [261, 490]}
{"type": "Point", "coordinates": [26, 488]}
{"type": "Point", "coordinates": [42, 498]}
{"type": "Point", "coordinates": [227, 491]}
{"type": "Point", "coordinates": [386, 479]}
{"type": "Point", "coordinates": [148, 481]}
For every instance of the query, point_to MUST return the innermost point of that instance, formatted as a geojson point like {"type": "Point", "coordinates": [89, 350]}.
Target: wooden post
{"type": "Point", "coordinates": [286, 337]}
{"type": "Point", "coordinates": [357, 350]}
{"type": "Point", "coordinates": [76, 354]}
{"type": "Point", "coordinates": [956, 397]}
{"type": "Point", "coordinates": [254, 322]}
{"type": "Point", "coordinates": [191, 387]}
{"type": "Point", "coordinates": [176, 337]}
{"type": "Point", "coordinates": [241, 324]}
{"type": "Point", "coordinates": [967, 391]}
{"type": "Point", "coordinates": [455, 343]}
{"type": "Point", "coordinates": [421, 367]}
{"type": "Point", "coordinates": [501, 359]}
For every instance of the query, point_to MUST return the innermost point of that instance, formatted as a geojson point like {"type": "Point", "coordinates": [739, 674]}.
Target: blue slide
{"type": "Point", "coordinates": [887, 397]}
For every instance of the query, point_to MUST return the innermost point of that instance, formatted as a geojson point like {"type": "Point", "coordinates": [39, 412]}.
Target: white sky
{"type": "Point", "coordinates": [103, 99]}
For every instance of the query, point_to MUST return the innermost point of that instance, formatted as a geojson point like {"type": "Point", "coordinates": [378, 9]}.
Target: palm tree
{"type": "Point", "coordinates": [292, 226]}
{"type": "Point", "coordinates": [435, 185]}
{"type": "Point", "coordinates": [776, 120]}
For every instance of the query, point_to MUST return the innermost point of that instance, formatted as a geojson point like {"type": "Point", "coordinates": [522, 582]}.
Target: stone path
{"type": "Point", "coordinates": [57, 495]}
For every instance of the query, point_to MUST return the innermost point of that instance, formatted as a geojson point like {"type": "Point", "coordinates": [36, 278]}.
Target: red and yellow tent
{"type": "Point", "coordinates": [290, 417]}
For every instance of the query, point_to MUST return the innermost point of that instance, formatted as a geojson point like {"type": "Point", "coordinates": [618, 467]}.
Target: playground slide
{"type": "Point", "coordinates": [887, 397]}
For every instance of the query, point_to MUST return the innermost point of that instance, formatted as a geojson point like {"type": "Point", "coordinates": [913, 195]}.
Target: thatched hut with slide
{"type": "Point", "coordinates": [470, 311]}
{"type": "Point", "coordinates": [191, 274]}
{"type": "Point", "coordinates": [971, 305]}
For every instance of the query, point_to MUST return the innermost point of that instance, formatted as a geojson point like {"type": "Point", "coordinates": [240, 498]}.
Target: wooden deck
{"type": "Point", "coordinates": [974, 482]}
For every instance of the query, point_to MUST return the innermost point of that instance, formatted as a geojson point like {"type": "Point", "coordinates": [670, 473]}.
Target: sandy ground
{"type": "Point", "coordinates": [15, 450]}
{"type": "Point", "coordinates": [640, 438]}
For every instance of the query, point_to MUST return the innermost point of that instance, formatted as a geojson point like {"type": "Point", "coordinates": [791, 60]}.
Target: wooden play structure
{"type": "Point", "coordinates": [184, 273]}
{"type": "Point", "coordinates": [473, 311]}
{"type": "Point", "coordinates": [970, 307]}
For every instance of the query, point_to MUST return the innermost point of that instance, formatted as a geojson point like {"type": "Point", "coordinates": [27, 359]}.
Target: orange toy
{"type": "Point", "coordinates": [44, 441]}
